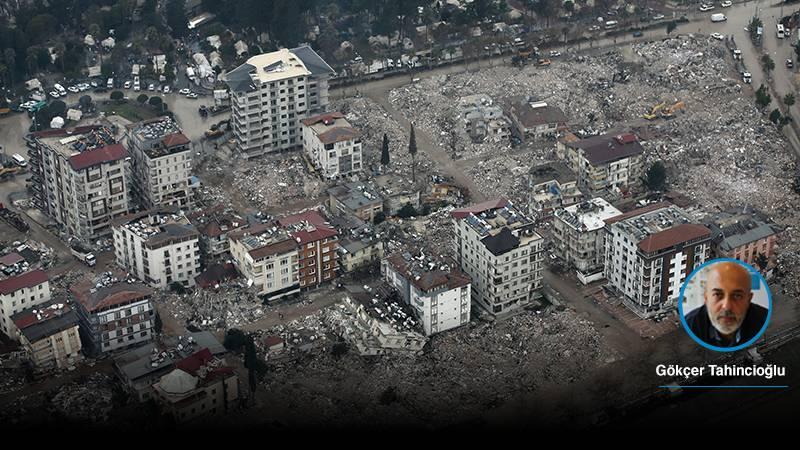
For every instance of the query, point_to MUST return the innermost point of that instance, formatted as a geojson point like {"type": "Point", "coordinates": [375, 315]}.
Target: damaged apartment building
{"type": "Point", "coordinates": [744, 235]}
{"type": "Point", "coordinates": [271, 93]}
{"type": "Point", "coordinates": [332, 145]}
{"type": "Point", "coordinates": [267, 257]}
{"type": "Point", "coordinates": [79, 179]}
{"type": "Point", "coordinates": [606, 163]}
{"type": "Point", "coordinates": [161, 164]}
{"type": "Point", "coordinates": [435, 288]}
{"type": "Point", "coordinates": [355, 199]}
{"type": "Point", "coordinates": [551, 185]}
{"type": "Point", "coordinates": [579, 237]}
{"type": "Point", "coordinates": [482, 120]}
{"type": "Point", "coordinates": [499, 249]}
{"type": "Point", "coordinates": [534, 119]}
{"type": "Point", "coordinates": [649, 252]}
{"type": "Point", "coordinates": [159, 247]}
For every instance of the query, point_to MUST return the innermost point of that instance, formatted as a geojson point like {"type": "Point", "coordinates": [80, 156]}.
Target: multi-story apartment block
{"type": "Point", "coordinates": [533, 120]}
{"type": "Point", "coordinates": [551, 185]}
{"type": "Point", "coordinates": [579, 236]}
{"type": "Point", "coordinates": [268, 258]}
{"type": "Point", "coordinates": [497, 246]}
{"type": "Point", "coordinates": [80, 179]}
{"type": "Point", "coordinates": [332, 145]}
{"type": "Point", "coordinates": [19, 293]}
{"type": "Point", "coordinates": [437, 291]}
{"type": "Point", "coordinates": [50, 335]}
{"type": "Point", "coordinates": [609, 162]}
{"type": "Point", "coordinates": [746, 236]}
{"type": "Point", "coordinates": [318, 245]}
{"type": "Point", "coordinates": [649, 252]}
{"type": "Point", "coordinates": [161, 163]}
{"type": "Point", "coordinates": [200, 385]}
{"type": "Point", "coordinates": [116, 316]}
{"type": "Point", "coordinates": [159, 247]}
{"type": "Point", "coordinates": [271, 93]}
{"type": "Point", "coordinates": [355, 199]}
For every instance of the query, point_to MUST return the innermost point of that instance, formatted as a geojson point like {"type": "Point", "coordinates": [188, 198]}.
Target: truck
{"type": "Point", "coordinates": [84, 255]}
{"type": "Point", "coordinates": [110, 83]}
{"type": "Point", "coordinates": [719, 17]}
{"type": "Point", "coordinates": [13, 218]}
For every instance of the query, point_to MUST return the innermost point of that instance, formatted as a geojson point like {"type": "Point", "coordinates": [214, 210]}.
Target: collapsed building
{"type": "Point", "coordinates": [498, 247]}
{"type": "Point", "coordinates": [551, 185]}
{"type": "Point", "coordinates": [49, 334]}
{"type": "Point", "coordinates": [355, 199]}
{"type": "Point", "coordinates": [481, 119]}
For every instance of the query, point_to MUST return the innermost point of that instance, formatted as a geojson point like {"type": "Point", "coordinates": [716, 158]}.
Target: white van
{"type": "Point", "coordinates": [611, 24]}
{"type": "Point", "coordinates": [110, 83]}
{"type": "Point", "coordinates": [19, 160]}
{"type": "Point", "coordinates": [718, 17]}
{"type": "Point", "coordinates": [781, 31]}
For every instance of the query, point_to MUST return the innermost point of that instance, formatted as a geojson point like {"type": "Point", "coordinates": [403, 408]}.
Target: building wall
{"type": "Point", "coordinates": [118, 327]}
{"type": "Point", "coordinates": [581, 249]}
{"type": "Point", "coordinates": [442, 310]}
{"type": "Point", "coordinates": [352, 261]}
{"type": "Point", "coordinates": [504, 283]}
{"type": "Point", "coordinates": [215, 398]}
{"type": "Point", "coordinates": [59, 350]}
{"type": "Point", "coordinates": [333, 160]}
{"type": "Point", "coordinates": [268, 119]}
{"type": "Point", "coordinates": [158, 267]}
{"type": "Point", "coordinates": [17, 301]}
{"type": "Point", "coordinates": [317, 262]}
{"type": "Point", "coordinates": [274, 276]}
{"type": "Point", "coordinates": [747, 253]}
{"type": "Point", "coordinates": [163, 181]}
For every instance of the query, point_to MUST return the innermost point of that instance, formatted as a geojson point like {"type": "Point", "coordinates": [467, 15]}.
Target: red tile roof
{"type": "Point", "coordinates": [175, 139]}
{"type": "Point", "coordinates": [26, 280]}
{"type": "Point", "coordinates": [90, 158]}
{"type": "Point", "coordinates": [277, 248]}
{"type": "Point", "coordinates": [11, 259]}
{"type": "Point", "coordinates": [27, 317]}
{"type": "Point", "coordinates": [318, 227]}
{"type": "Point", "coordinates": [338, 134]}
{"type": "Point", "coordinates": [322, 117]}
{"type": "Point", "coordinates": [673, 236]}
{"type": "Point", "coordinates": [192, 364]}
{"type": "Point", "coordinates": [479, 208]}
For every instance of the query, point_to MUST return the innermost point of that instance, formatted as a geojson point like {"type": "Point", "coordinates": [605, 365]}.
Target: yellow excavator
{"type": "Point", "coordinates": [654, 112]}
{"type": "Point", "coordinates": [669, 112]}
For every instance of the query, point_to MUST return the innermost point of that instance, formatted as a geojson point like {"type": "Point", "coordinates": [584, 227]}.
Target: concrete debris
{"type": "Point", "coordinates": [231, 307]}
{"type": "Point", "coordinates": [85, 401]}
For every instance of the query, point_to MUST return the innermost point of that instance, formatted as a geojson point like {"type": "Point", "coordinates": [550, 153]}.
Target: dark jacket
{"type": "Point", "coordinates": [700, 325]}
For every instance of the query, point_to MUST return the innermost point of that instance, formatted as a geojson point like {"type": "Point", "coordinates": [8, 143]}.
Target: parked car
{"type": "Point", "coordinates": [166, 89]}
{"type": "Point", "coordinates": [554, 53]}
{"type": "Point", "coordinates": [152, 87]}
{"type": "Point", "coordinates": [638, 33]}
{"type": "Point", "coordinates": [192, 95]}
{"type": "Point", "coordinates": [789, 63]}
{"type": "Point", "coordinates": [718, 36]}
{"type": "Point", "coordinates": [747, 78]}
{"type": "Point", "coordinates": [658, 17]}
{"type": "Point", "coordinates": [184, 91]}
{"type": "Point", "coordinates": [726, 4]}
{"type": "Point", "coordinates": [127, 85]}
{"type": "Point", "coordinates": [704, 7]}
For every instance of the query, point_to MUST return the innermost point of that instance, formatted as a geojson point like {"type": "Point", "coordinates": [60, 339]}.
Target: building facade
{"type": "Point", "coordinates": [552, 185]}
{"type": "Point", "coordinates": [609, 162]}
{"type": "Point", "coordinates": [161, 164]}
{"type": "Point", "coordinates": [19, 293]}
{"type": "Point", "coordinates": [355, 199]}
{"type": "Point", "coordinates": [271, 93]}
{"type": "Point", "coordinates": [332, 145]}
{"type": "Point", "coordinates": [437, 291]}
{"type": "Point", "coordinates": [79, 179]}
{"type": "Point", "coordinates": [318, 247]}
{"type": "Point", "coordinates": [649, 252]}
{"type": "Point", "coordinates": [159, 247]}
{"type": "Point", "coordinates": [498, 248]}
{"type": "Point", "coordinates": [268, 258]}
{"type": "Point", "coordinates": [117, 316]}
{"type": "Point", "coordinates": [534, 120]}
{"type": "Point", "coordinates": [50, 335]}
{"type": "Point", "coordinates": [579, 237]}
{"type": "Point", "coordinates": [746, 236]}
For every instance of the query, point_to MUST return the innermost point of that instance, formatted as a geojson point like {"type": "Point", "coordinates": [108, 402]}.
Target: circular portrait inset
{"type": "Point", "coordinates": [725, 305]}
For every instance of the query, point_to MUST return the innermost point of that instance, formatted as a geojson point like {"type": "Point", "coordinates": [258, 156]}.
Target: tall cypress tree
{"type": "Point", "coordinates": [385, 151]}
{"type": "Point", "coordinates": [412, 149]}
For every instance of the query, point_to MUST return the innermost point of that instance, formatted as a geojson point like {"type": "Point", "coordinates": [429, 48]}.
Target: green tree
{"type": "Point", "coordinates": [142, 98]}
{"type": "Point", "coordinates": [775, 116]}
{"type": "Point", "coordinates": [763, 98]}
{"type": "Point", "coordinates": [671, 26]}
{"type": "Point", "coordinates": [176, 17]}
{"type": "Point", "coordinates": [385, 151]}
{"type": "Point", "coordinates": [412, 150]}
{"type": "Point", "coordinates": [155, 102]}
{"type": "Point", "coordinates": [797, 50]}
{"type": "Point", "coordinates": [407, 211]}
{"type": "Point", "coordinates": [177, 287]}
{"type": "Point", "coordinates": [761, 261]}
{"type": "Point", "coordinates": [656, 177]}
{"type": "Point", "coordinates": [117, 96]}
{"type": "Point", "coordinates": [768, 64]}
{"type": "Point", "coordinates": [379, 217]}
{"type": "Point", "coordinates": [41, 27]}
{"type": "Point", "coordinates": [158, 324]}
{"type": "Point", "coordinates": [753, 27]}
{"type": "Point", "coordinates": [235, 340]}
{"type": "Point", "coordinates": [94, 30]}
{"type": "Point", "coordinates": [10, 58]}
{"type": "Point", "coordinates": [789, 100]}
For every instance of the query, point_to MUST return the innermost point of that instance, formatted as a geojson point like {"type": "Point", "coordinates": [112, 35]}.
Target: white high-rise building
{"type": "Point", "coordinates": [437, 291]}
{"type": "Point", "coordinates": [649, 252]}
{"type": "Point", "coordinates": [158, 247]}
{"type": "Point", "coordinates": [271, 93]}
{"type": "Point", "coordinates": [497, 246]}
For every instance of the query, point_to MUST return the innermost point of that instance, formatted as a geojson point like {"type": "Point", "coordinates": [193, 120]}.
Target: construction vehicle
{"type": "Point", "coordinates": [83, 254]}
{"type": "Point", "coordinates": [653, 114]}
{"type": "Point", "coordinates": [669, 112]}
{"type": "Point", "coordinates": [544, 62]}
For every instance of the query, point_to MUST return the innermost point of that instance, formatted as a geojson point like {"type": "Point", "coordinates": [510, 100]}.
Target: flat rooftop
{"type": "Point", "coordinates": [589, 215]}
{"type": "Point", "coordinates": [158, 228]}
{"type": "Point", "coordinates": [159, 137]}
{"type": "Point", "coordinates": [355, 195]}
{"type": "Point", "coordinates": [384, 305]}
{"type": "Point", "coordinates": [72, 142]}
{"type": "Point", "coordinates": [500, 225]}
{"type": "Point", "coordinates": [551, 171]}
{"type": "Point", "coordinates": [661, 228]}
{"type": "Point", "coordinates": [427, 271]}
{"type": "Point", "coordinates": [265, 240]}
{"type": "Point", "coordinates": [44, 320]}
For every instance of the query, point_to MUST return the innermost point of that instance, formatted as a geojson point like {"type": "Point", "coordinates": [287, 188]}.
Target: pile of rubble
{"type": "Point", "coordinates": [275, 181]}
{"type": "Point", "coordinates": [84, 401]}
{"type": "Point", "coordinates": [230, 307]}
{"type": "Point", "coordinates": [463, 372]}
{"type": "Point", "coordinates": [373, 121]}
